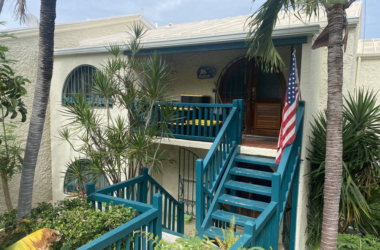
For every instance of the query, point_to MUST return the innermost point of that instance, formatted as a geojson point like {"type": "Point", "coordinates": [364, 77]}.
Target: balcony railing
{"type": "Point", "coordinates": [196, 121]}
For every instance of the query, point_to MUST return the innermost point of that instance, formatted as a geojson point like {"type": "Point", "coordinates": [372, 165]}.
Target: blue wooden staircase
{"type": "Point", "coordinates": [229, 183]}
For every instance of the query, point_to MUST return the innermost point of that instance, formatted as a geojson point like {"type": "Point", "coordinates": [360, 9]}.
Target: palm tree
{"type": "Point", "coordinates": [261, 25]}
{"type": "Point", "coordinates": [40, 100]}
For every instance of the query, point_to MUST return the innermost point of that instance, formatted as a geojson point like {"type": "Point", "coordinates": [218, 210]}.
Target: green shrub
{"type": "Point", "coordinates": [354, 242]}
{"type": "Point", "coordinates": [360, 192]}
{"type": "Point", "coordinates": [73, 218]}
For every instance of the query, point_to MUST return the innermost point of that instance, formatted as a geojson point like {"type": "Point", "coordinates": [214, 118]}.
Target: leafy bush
{"type": "Point", "coordinates": [359, 199]}
{"type": "Point", "coordinates": [354, 242]}
{"type": "Point", "coordinates": [77, 222]}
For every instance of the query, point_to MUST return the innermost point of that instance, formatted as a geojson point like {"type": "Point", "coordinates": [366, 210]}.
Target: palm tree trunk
{"type": "Point", "coordinates": [40, 102]}
{"type": "Point", "coordinates": [1, 5]}
{"type": "Point", "coordinates": [334, 144]}
{"type": "Point", "coordinates": [7, 195]}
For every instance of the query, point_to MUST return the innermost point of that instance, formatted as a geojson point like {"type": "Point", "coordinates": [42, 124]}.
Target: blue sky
{"type": "Point", "coordinates": [163, 12]}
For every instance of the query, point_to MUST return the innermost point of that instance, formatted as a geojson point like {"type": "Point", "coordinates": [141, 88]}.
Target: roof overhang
{"type": "Point", "coordinates": [81, 25]}
{"type": "Point", "coordinates": [279, 34]}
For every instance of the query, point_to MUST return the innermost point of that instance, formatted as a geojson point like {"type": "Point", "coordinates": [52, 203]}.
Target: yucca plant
{"type": "Point", "coordinates": [359, 199]}
{"type": "Point", "coordinates": [122, 144]}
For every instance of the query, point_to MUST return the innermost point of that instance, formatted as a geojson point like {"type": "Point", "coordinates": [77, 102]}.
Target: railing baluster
{"type": "Point", "coordinates": [118, 243]}
{"type": "Point", "coordinates": [188, 120]}
{"type": "Point", "coordinates": [199, 122]}
{"type": "Point", "coordinates": [211, 132]}
{"type": "Point", "coordinates": [177, 121]}
{"type": "Point", "coordinates": [169, 216]}
{"type": "Point", "coordinates": [182, 122]}
{"type": "Point", "coordinates": [193, 124]}
{"type": "Point", "coordinates": [217, 121]}
{"type": "Point", "coordinates": [128, 242]}
{"type": "Point", "coordinates": [205, 123]}
{"type": "Point", "coordinates": [165, 210]}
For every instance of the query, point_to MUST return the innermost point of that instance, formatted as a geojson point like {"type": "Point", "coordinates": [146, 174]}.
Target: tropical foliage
{"type": "Point", "coordinates": [76, 221]}
{"type": "Point", "coordinates": [11, 105]}
{"type": "Point", "coordinates": [119, 146]}
{"type": "Point", "coordinates": [355, 242]}
{"type": "Point", "coordinates": [359, 200]}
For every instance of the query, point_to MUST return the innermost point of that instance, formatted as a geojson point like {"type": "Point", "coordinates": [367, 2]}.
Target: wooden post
{"type": "Point", "coordinates": [234, 128]}
{"type": "Point", "coordinates": [200, 204]}
{"type": "Point", "coordinates": [249, 230]}
{"type": "Point", "coordinates": [293, 217]}
{"type": "Point", "coordinates": [240, 121]}
{"type": "Point", "coordinates": [90, 188]}
{"type": "Point", "coordinates": [157, 225]}
{"type": "Point", "coordinates": [144, 187]}
{"type": "Point", "coordinates": [181, 218]}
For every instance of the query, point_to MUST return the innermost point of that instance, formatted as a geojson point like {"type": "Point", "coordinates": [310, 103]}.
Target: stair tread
{"type": "Point", "coordinates": [242, 202]}
{"type": "Point", "coordinates": [227, 217]}
{"type": "Point", "coordinates": [248, 187]}
{"type": "Point", "coordinates": [251, 173]}
{"type": "Point", "coordinates": [256, 160]}
{"type": "Point", "coordinates": [212, 231]}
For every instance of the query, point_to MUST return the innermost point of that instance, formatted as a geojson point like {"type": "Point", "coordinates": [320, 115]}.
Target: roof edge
{"type": "Point", "coordinates": [71, 26]}
{"type": "Point", "coordinates": [304, 30]}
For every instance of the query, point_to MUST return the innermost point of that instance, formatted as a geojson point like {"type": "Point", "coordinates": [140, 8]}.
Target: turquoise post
{"type": "Point", "coordinates": [157, 204]}
{"type": "Point", "coordinates": [276, 181]}
{"type": "Point", "coordinates": [294, 209]}
{"type": "Point", "coordinates": [249, 229]}
{"type": "Point", "coordinates": [240, 121]}
{"type": "Point", "coordinates": [200, 204]}
{"type": "Point", "coordinates": [90, 188]}
{"type": "Point", "coordinates": [235, 122]}
{"type": "Point", "coordinates": [181, 218]}
{"type": "Point", "coordinates": [144, 187]}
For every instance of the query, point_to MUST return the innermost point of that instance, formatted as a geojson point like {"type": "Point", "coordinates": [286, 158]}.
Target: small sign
{"type": "Point", "coordinates": [205, 73]}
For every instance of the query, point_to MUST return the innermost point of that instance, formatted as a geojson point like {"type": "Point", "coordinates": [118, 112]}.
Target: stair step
{"type": "Point", "coordinates": [227, 217]}
{"type": "Point", "coordinates": [211, 232]}
{"type": "Point", "coordinates": [256, 160]}
{"type": "Point", "coordinates": [242, 202]}
{"type": "Point", "coordinates": [251, 173]}
{"type": "Point", "coordinates": [247, 187]}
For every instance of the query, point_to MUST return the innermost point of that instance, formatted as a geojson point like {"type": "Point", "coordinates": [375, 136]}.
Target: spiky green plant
{"type": "Point", "coordinates": [121, 144]}
{"type": "Point", "coordinates": [359, 200]}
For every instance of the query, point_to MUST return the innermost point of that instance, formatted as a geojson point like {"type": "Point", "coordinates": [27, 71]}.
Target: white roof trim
{"type": "Point", "coordinates": [79, 25]}
{"type": "Point", "coordinates": [304, 30]}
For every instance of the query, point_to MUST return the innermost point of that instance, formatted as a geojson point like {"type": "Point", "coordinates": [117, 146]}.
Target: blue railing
{"type": "Point", "coordinates": [210, 170]}
{"type": "Point", "coordinates": [147, 219]}
{"type": "Point", "coordinates": [148, 198]}
{"type": "Point", "coordinates": [195, 121]}
{"type": "Point", "coordinates": [265, 230]}
{"type": "Point", "coordinates": [142, 189]}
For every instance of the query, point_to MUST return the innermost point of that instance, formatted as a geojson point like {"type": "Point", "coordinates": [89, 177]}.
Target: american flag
{"type": "Point", "coordinates": [288, 125]}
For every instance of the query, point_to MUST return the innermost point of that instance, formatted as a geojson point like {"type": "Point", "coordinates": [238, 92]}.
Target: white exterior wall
{"type": "Point", "coordinates": [25, 51]}
{"type": "Point", "coordinates": [61, 152]}
{"type": "Point", "coordinates": [368, 74]}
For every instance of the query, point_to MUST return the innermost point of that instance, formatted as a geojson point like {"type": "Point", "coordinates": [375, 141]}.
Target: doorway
{"type": "Point", "coordinates": [263, 94]}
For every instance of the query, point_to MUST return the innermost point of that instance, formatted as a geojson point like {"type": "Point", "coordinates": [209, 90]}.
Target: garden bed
{"type": "Point", "coordinates": [76, 221]}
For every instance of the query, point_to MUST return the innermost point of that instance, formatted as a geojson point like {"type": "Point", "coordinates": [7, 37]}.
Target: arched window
{"type": "Point", "coordinates": [77, 175]}
{"type": "Point", "coordinates": [79, 80]}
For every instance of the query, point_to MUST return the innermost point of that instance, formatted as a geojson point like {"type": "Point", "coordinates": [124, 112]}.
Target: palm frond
{"type": "Point", "coordinates": [20, 10]}
{"type": "Point", "coordinates": [261, 25]}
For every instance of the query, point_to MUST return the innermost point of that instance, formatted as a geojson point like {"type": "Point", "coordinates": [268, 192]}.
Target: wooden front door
{"type": "Point", "coordinates": [238, 83]}
{"type": "Point", "coordinates": [263, 94]}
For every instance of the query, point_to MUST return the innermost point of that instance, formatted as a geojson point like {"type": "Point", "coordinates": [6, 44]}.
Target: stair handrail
{"type": "Point", "coordinates": [210, 170]}
{"type": "Point", "coordinates": [146, 188]}
{"type": "Point", "coordinates": [283, 179]}
{"type": "Point", "coordinates": [148, 218]}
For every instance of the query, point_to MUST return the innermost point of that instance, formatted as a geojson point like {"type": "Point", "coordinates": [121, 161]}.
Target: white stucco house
{"type": "Point", "coordinates": [217, 44]}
